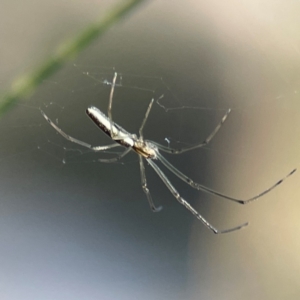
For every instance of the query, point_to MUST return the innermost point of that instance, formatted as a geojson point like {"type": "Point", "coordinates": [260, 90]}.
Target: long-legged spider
{"type": "Point", "coordinates": [149, 150]}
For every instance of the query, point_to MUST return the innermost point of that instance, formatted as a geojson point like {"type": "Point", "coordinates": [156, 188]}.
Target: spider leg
{"type": "Point", "coordinates": [204, 143]}
{"type": "Point", "coordinates": [114, 159]}
{"type": "Point", "coordinates": [145, 188]}
{"type": "Point", "coordinates": [201, 187]}
{"type": "Point", "coordinates": [174, 192]}
{"type": "Point", "coordinates": [145, 118]}
{"type": "Point", "coordinates": [147, 115]}
{"type": "Point", "coordinates": [109, 109]}
{"type": "Point", "coordinates": [76, 141]}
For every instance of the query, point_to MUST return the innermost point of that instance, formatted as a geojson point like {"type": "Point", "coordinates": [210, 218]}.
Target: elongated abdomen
{"type": "Point", "coordinates": [114, 131]}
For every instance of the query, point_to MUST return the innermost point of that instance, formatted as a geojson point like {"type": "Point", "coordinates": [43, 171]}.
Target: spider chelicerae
{"type": "Point", "coordinates": [150, 151]}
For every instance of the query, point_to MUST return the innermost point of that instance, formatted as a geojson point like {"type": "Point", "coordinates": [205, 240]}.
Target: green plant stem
{"type": "Point", "coordinates": [25, 85]}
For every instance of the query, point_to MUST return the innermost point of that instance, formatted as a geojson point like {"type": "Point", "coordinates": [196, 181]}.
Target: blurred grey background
{"type": "Point", "coordinates": [83, 230]}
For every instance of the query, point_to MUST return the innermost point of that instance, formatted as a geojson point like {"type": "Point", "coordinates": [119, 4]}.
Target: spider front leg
{"type": "Point", "coordinates": [201, 187]}
{"type": "Point", "coordinates": [174, 192]}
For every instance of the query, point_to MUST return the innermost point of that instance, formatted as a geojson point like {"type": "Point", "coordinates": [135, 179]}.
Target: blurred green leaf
{"type": "Point", "coordinates": [26, 85]}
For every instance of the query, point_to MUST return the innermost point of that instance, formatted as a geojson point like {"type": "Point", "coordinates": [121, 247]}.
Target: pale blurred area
{"type": "Point", "coordinates": [85, 231]}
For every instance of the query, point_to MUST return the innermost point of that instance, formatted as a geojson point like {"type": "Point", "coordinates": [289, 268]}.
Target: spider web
{"type": "Point", "coordinates": [176, 120]}
{"type": "Point", "coordinates": [172, 122]}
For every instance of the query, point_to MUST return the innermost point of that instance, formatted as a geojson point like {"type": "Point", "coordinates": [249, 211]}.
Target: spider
{"type": "Point", "coordinates": [150, 151]}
